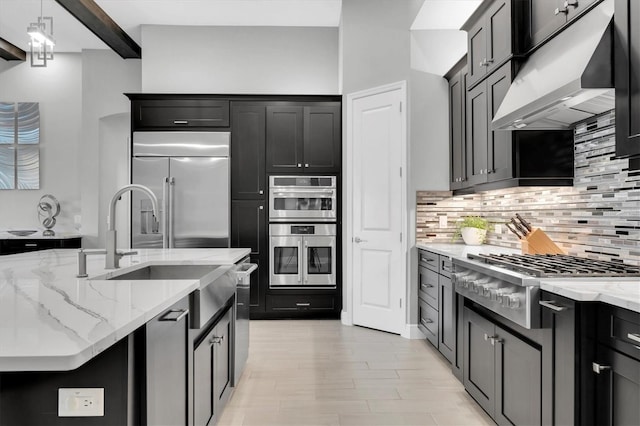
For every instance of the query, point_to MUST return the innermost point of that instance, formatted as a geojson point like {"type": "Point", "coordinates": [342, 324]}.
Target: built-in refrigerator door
{"type": "Point", "coordinates": [199, 201]}
{"type": "Point", "coordinates": [150, 172]}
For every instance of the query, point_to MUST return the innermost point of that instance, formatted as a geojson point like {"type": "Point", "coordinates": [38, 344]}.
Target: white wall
{"type": "Point", "coordinates": [436, 51]}
{"type": "Point", "coordinates": [253, 60]}
{"type": "Point", "coordinates": [105, 133]}
{"type": "Point", "coordinates": [58, 90]}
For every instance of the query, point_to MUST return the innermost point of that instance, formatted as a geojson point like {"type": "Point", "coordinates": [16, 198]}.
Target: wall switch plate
{"type": "Point", "coordinates": [443, 221]}
{"type": "Point", "coordinates": [498, 228]}
{"type": "Point", "coordinates": [80, 402]}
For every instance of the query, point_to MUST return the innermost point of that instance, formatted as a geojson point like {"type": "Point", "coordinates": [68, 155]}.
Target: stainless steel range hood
{"type": "Point", "coordinates": [567, 80]}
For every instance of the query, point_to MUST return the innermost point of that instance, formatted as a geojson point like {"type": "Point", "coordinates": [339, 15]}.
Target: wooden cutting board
{"type": "Point", "coordinates": [538, 242]}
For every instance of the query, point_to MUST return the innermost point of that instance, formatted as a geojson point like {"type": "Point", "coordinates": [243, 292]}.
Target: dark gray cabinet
{"type": "Point", "coordinates": [437, 307]}
{"type": "Point", "coordinates": [249, 229]}
{"type": "Point", "coordinates": [616, 367]}
{"type": "Point", "coordinates": [165, 384]}
{"type": "Point", "coordinates": [457, 134]}
{"type": "Point", "coordinates": [304, 138]}
{"type": "Point", "coordinates": [549, 17]}
{"type": "Point", "coordinates": [172, 113]}
{"type": "Point", "coordinates": [212, 364]}
{"type": "Point", "coordinates": [490, 42]}
{"type": "Point", "coordinates": [627, 77]}
{"type": "Point", "coordinates": [503, 372]}
{"type": "Point", "coordinates": [248, 144]}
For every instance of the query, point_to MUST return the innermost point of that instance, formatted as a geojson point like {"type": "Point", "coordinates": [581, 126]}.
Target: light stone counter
{"type": "Point", "coordinates": [51, 320]}
{"type": "Point", "coordinates": [621, 292]}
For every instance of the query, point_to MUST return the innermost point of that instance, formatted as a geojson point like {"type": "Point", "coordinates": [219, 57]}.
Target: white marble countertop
{"type": "Point", "coordinates": [621, 292]}
{"type": "Point", "coordinates": [5, 235]}
{"type": "Point", "coordinates": [51, 320]}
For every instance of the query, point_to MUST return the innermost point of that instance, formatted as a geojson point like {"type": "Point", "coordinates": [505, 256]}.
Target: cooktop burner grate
{"type": "Point", "coordinates": [558, 265]}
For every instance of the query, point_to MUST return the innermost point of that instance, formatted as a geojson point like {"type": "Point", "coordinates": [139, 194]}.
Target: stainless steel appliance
{"type": "Point", "coordinates": [302, 198]}
{"type": "Point", "coordinates": [302, 255]}
{"type": "Point", "coordinates": [189, 174]}
{"type": "Point", "coordinates": [241, 329]}
{"type": "Point", "coordinates": [508, 284]}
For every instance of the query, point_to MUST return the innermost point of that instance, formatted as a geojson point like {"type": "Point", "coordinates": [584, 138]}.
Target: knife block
{"type": "Point", "coordinates": [538, 242]}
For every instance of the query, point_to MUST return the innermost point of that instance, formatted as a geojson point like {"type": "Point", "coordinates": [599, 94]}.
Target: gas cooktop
{"type": "Point", "coordinates": [557, 265]}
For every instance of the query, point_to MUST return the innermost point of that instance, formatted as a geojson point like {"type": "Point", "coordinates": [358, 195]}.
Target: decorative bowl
{"type": "Point", "coordinates": [22, 232]}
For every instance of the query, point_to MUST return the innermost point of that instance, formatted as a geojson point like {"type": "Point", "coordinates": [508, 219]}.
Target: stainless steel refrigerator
{"type": "Point", "coordinates": [189, 173]}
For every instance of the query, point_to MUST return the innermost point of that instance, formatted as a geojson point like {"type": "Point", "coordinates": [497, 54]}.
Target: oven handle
{"type": "Point", "coordinates": [281, 192]}
{"type": "Point", "coordinates": [301, 257]}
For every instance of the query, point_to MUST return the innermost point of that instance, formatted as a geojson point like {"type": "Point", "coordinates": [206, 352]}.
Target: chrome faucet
{"type": "Point", "coordinates": [113, 257]}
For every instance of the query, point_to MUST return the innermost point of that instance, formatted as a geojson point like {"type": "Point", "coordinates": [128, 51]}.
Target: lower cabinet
{"type": "Point", "coordinates": [212, 366]}
{"type": "Point", "coordinates": [503, 372]}
{"type": "Point", "coordinates": [165, 392]}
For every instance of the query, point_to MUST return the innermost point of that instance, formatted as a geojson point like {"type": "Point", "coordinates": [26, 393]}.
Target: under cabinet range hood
{"type": "Point", "coordinates": [567, 80]}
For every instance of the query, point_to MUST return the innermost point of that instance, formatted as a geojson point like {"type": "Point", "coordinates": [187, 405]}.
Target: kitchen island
{"type": "Point", "coordinates": [79, 332]}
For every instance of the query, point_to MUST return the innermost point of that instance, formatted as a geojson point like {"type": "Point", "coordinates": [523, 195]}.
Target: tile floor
{"type": "Point", "coordinates": [324, 373]}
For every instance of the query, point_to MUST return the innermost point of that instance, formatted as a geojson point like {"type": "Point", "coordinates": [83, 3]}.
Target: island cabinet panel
{"type": "Point", "coordinates": [176, 114]}
{"type": "Point", "coordinates": [108, 370]}
{"type": "Point", "coordinates": [212, 365]}
{"type": "Point", "coordinates": [627, 77]}
{"type": "Point", "coordinates": [248, 144]}
{"type": "Point", "coordinates": [165, 372]}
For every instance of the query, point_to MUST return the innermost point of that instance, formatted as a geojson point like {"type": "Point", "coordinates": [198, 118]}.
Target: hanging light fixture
{"type": "Point", "coordinates": [42, 41]}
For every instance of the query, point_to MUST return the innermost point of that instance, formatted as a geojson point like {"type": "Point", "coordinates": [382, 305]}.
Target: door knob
{"type": "Point", "coordinates": [359, 240]}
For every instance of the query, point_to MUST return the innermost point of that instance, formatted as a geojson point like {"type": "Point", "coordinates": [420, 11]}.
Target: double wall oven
{"type": "Point", "coordinates": [302, 231]}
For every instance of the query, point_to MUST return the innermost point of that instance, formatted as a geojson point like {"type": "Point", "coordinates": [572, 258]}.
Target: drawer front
{"type": "Point", "coordinates": [445, 266]}
{"type": "Point", "coordinates": [295, 303]}
{"type": "Point", "coordinates": [620, 329]}
{"type": "Point", "coordinates": [23, 246]}
{"type": "Point", "coordinates": [428, 318]}
{"type": "Point", "coordinates": [428, 286]}
{"type": "Point", "coordinates": [180, 113]}
{"type": "Point", "coordinates": [428, 260]}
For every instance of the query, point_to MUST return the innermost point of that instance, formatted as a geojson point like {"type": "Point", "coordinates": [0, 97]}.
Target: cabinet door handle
{"type": "Point", "coordinates": [180, 121]}
{"type": "Point", "coordinates": [306, 164]}
{"type": "Point", "coordinates": [174, 315]}
{"type": "Point", "coordinates": [303, 304]}
{"type": "Point", "coordinates": [31, 244]}
{"type": "Point", "coordinates": [573, 4]}
{"type": "Point", "coordinates": [634, 337]}
{"type": "Point", "coordinates": [597, 368]}
{"type": "Point", "coordinates": [426, 321]}
{"type": "Point", "coordinates": [553, 305]}
{"type": "Point", "coordinates": [299, 164]}
{"type": "Point", "coordinates": [217, 339]}
{"type": "Point", "coordinates": [261, 192]}
{"type": "Point", "coordinates": [558, 11]}
{"type": "Point", "coordinates": [428, 286]}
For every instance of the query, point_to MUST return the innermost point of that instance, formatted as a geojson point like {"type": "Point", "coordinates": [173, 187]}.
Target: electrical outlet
{"type": "Point", "coordinates": [498, 228]}
{"type": "Point", "coordinates": [80, 402]}
{"type": "Point", "coordinates": [443, 221]}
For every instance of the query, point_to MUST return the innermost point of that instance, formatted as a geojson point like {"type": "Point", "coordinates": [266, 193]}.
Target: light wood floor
{"type": "Point", "coordinates": [324, 373]}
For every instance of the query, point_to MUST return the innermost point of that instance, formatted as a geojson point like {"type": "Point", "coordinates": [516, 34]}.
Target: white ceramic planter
{"type": "Point", "coordinates": [473, 236]}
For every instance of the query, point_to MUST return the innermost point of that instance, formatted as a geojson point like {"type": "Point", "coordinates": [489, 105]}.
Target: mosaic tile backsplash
{"type": "Point", "coordinates": [599, 217]}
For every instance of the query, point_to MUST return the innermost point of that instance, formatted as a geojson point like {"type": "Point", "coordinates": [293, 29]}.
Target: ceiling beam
{"type": "Point", "coordinates": [98, 22]}
{"type": "Point", "coordinates": [11, 52]}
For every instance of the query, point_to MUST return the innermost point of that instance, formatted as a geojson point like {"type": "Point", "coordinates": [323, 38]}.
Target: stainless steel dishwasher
{"type": "Point", "coordinates": [243, 291]}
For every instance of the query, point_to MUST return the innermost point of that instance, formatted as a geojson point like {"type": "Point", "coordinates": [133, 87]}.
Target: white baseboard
{"type": "Point", "coordinates": [411, 331]}
{"type": "Point", "coordinates": [345, 318]}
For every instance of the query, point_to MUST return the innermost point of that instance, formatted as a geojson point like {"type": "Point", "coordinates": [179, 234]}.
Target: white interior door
{"type": "Point", "coordinates": [379, 283]}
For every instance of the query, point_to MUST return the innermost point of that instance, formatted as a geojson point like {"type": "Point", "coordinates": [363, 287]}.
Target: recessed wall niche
{"type": "Point", "coordinates": [19, 145]}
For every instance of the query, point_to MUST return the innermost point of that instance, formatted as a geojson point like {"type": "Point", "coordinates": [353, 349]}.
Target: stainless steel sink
{"type": "Point", "coordinates": [217, 285]}
{"type": "Point", "coordinates": [167, 272]}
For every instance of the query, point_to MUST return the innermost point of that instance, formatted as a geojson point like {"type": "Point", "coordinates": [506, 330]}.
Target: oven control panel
{"type": "Point", "coordinates": [514, 302]}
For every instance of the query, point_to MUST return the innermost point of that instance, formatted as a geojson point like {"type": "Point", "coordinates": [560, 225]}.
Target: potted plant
{"type": "Point", "coordinates": [473, 230]}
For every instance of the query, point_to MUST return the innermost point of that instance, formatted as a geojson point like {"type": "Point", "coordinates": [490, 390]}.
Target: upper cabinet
{"type": "Point", "coordinates": [248, 126]}
{"type": "Point", "coordinates": [457, 135]}
{"type": "Point", "coordinates": [177, 114]}
{"type": "Point", "coordinates": [627, 77]}
{"type": "Point", "coordinates": [547, 17]}
{"type": "Point", "coordinates": [304, 138]}
{"type": "Point", "coordinates": [491, 42]}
